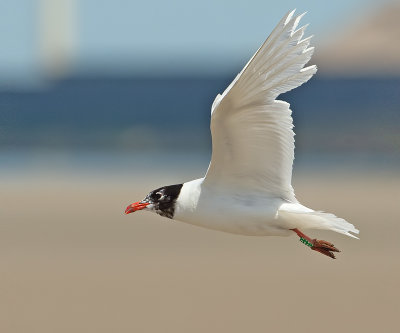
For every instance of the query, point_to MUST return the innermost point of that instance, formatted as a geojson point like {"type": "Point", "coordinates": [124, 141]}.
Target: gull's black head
{"type": "Point", "coordinates": [161, 200]}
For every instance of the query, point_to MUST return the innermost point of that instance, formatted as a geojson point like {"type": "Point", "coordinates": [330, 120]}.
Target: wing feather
{"type": "Point", "coordinates": [252, 136]}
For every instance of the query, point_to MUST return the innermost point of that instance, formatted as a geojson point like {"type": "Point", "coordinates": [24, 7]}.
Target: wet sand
{"type": "Point", "coordinates": [71, 261]}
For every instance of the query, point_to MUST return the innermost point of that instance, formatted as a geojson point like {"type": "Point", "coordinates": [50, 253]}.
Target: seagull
{"type": "Point", "coordinates": [247, 188]}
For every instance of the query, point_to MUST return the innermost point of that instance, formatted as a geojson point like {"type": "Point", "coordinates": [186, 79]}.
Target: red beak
{"type": "Point", "coordinates": [136, 206]}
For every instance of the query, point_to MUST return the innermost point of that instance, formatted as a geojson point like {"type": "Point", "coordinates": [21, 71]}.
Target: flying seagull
{"type": "Point", "coordinates": [247, 188]}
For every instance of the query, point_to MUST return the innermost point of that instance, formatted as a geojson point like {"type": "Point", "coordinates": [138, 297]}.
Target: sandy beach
{"type": "Point", "coordinates": [71, 261]}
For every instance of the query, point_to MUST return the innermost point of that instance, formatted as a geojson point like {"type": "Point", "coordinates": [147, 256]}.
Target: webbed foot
{"type": "Point", "coordinates": [320, 246]}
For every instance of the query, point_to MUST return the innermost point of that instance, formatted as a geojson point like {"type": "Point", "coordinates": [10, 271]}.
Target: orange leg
{"type": "Point", "coordinates": [320, 246]}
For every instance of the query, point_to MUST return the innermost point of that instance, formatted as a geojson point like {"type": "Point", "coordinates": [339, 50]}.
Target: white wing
{"type": "Point", "coordinates": [252, 136]}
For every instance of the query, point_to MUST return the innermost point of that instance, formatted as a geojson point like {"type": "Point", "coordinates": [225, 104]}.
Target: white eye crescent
{"type": "Point", "coordinates": [159, 195]}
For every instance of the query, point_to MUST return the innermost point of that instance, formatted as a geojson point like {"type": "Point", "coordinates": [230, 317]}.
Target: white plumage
{"type": "Point", "coordinates": [247, 188]}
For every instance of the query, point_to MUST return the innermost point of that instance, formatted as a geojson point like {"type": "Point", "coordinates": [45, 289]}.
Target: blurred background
{"type": "Point", "coordinates": [103, 101]}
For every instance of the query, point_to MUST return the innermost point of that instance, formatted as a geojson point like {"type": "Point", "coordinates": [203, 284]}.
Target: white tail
{"type": "Point", "coordinates": [298, 216]}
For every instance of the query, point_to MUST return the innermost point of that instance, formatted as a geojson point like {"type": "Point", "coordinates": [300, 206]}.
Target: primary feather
{"type": "Point", "coordinates": [252, 136]}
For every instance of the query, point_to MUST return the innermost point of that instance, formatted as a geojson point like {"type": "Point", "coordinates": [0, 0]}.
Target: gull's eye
{"type": "Point", "coordinates": [157, 196]}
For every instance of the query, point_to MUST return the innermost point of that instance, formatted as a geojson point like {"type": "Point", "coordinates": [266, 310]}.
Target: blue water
{"type": "Point", "coordinates": [136, 114]}
{"type": "Point", "coordinates": [115, 125]}
{"type": "Point", "coordinates": [186, 165]}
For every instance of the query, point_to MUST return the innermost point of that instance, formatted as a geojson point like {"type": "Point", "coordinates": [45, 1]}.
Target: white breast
{"type": "Point", "coordinates": [228, 211]}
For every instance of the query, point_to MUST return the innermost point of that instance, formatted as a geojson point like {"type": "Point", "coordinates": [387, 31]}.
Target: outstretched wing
{"type": "Point", "coordinates": [252, 136]}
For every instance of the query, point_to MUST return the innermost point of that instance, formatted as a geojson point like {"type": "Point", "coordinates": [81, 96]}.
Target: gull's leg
{"type": "Point", "coordinates": [321, 246]}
